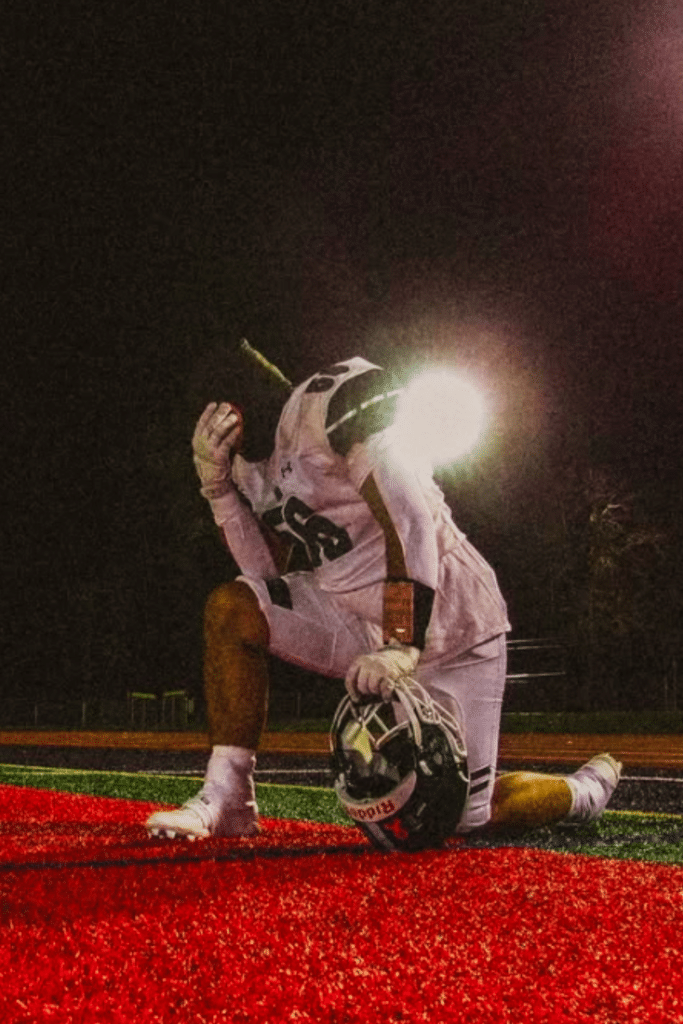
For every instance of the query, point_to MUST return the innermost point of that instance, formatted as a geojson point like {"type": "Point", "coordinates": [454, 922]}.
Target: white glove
{"type": "Point", "coordinates": [218, 432]}
{"type": "Point", "coordinates": [373, 675]}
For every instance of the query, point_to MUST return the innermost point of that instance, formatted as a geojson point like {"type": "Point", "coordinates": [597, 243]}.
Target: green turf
{"type": "Point", "coordinates": [307, 803]}
{"type": "Point", "coordinates": [622, 835]}
{"type": "Point", "coordinates": [619, 834]}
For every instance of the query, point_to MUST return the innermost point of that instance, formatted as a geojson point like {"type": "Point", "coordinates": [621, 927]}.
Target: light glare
{"type": "Point", "coordinates": [440, 417]}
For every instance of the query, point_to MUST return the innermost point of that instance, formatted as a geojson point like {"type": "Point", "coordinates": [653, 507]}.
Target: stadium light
{"type": "Point", "coordinates": [440, 417]}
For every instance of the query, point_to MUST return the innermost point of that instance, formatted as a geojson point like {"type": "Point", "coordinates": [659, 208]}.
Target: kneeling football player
{"type": "Point", "coordinates": [383, 586]}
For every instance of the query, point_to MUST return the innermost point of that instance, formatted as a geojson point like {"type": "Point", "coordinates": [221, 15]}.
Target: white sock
{"type": "Point", "coordinates": [576, 791]}
{"type": "Point", "coordinates": [589, 794]}
{"type": "Point", "coordinates": [229, 776]}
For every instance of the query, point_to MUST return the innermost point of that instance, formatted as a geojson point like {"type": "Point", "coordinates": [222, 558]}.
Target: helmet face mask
{"type": "Point", "coordinates": [400, 768]}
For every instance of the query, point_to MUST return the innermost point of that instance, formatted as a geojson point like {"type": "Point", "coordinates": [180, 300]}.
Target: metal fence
{"type": "Point", "coordinates": [537, 675]}
{"type": "Point", "coordinates": [541, 678]}
{"type": "Point", "coordinates": [173, 709]}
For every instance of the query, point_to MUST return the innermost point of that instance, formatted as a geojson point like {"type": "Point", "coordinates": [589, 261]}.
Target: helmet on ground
{"type": "Point", "coordinates": [400, 768]}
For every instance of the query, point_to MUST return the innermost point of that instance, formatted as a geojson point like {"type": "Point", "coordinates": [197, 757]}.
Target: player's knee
{"type": "Point", "coordinates": [232, 612]}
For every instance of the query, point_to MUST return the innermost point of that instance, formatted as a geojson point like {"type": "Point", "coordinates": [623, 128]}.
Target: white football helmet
{"type": "Point", "coordinates": [400, 768]}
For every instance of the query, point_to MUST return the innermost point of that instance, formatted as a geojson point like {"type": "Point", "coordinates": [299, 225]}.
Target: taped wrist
{"type": "Point", "coordinates": [407, 610]}
{"type": "Point", "coordinates": [215, 489]}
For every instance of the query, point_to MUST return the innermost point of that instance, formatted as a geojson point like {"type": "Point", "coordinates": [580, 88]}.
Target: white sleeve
{"type": "Point", "coordinates": [243, 536]}
{"type": "Point", "coordinates": [405, 500]}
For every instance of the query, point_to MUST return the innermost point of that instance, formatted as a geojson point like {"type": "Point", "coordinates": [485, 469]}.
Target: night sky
{"type": "Point", "coordinates": [494, 186]}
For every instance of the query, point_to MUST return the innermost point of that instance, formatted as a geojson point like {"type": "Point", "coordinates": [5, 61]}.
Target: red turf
{"type": "Point", "coordinates": [471, 935]}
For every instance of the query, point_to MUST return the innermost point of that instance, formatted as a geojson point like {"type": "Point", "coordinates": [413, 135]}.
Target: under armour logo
{"type": "Point", "coordinates": [287, 469]}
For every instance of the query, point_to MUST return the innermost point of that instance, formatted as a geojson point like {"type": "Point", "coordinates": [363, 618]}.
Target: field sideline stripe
{"type": "Point", "coordinates": [36, 769]}
{"type": "Point", "coordinates": [83, 771]}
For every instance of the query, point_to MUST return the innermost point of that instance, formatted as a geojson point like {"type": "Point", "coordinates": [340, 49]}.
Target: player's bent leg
{"type": "Point", "coordinates": [528, 799]}
{"type": "Point", "coordinates": [236, 689]}
{"type": "Point", "coordinates": [290, 618]}
{"type": "Point", "coordinates": [236, 639]}
{"type": "Point", "coordinates": [471, 688]}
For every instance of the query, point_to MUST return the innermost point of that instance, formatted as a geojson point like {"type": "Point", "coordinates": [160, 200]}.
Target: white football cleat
{"type": "Point", "coordinates": [201, 818]}
{"type": "Point", "coordinates": [592, 787]}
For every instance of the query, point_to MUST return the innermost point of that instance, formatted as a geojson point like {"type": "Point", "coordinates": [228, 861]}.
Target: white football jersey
{"type": "Point", "coordinates": [333, 432]}
{"type": "Point", "coordinates": [306, 491]}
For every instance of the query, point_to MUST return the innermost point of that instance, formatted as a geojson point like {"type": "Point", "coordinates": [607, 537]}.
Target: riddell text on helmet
{"type": "Point", "coordinates": [382, 809]}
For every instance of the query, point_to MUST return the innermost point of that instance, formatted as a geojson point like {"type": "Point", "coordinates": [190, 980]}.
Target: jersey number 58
{"type": "Point", "coordinates": [317, 536]}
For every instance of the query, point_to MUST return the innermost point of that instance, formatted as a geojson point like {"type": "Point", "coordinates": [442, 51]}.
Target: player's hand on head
{"type": "Point", "coordinates": [374, 675]}
{"type": "Point", "coordinates": [217, 435]}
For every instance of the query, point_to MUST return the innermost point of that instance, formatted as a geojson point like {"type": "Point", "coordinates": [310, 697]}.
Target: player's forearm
{"type": "Point", "coordinates": [243, 536]}
{"type": "Point", "coordinates": [411, 554]}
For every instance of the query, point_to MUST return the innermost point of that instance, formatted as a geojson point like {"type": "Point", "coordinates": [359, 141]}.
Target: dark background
{"type": "Point", "coordinates": [496, 186]}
